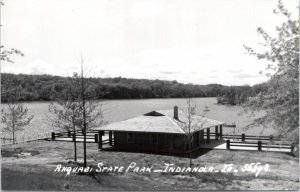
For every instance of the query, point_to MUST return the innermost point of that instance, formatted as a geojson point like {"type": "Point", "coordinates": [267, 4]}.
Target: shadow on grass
{"type": "Point", "coordinates": [195, 154]}
{"type": "Point", "coordinates": [20, 180]}
{"type": "Point", "coordinates": [17, 152]}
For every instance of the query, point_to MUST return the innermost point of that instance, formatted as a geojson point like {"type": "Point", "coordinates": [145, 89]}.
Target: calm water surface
{"type": "Point", "coordinates": [118, 110]}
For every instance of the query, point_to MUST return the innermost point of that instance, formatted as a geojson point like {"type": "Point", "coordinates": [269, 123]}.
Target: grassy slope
{"type": "Point", "coordinates": [37, 172]}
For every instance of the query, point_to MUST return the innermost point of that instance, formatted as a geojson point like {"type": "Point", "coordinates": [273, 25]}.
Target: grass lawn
{"type": "Point", "coordinates": [36, 172]}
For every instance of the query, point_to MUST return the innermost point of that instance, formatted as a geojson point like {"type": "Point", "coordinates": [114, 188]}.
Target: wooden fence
{"type": "Point", "coordinates": [91, 137]}
{"type": "Point", "coordinates": [70, 134]}
{"type": "Point", "coordinates": [259, 146]}
{"type": "Point", "coordinates": [260, 143]}
{"type": "Point", "coordinates": [243, 137]}
{"type": "Point", "coordinates": [241, 142]}
{"type": "Point", "coordinates": [23, 139]}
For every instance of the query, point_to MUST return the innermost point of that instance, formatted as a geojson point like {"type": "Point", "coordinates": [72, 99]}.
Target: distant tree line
{"type": "Point", "coordinates": [237, 95]}
{"type": "Point", "coordinates": [48, 87]}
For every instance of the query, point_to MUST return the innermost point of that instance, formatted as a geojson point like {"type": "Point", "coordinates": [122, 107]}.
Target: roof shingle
{"type": "Point", "coordinates": [161, 122]}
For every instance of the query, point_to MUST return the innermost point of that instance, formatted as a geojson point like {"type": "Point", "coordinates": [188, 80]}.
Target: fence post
{"type": "Point", "coordinates": [243, 137]}
{"type": "Point", "coordinates": [228, 144]}
{"type": "Point", "coordinates": [259, 146]}
{"type": "Point", "coordinates": [73, 136]}
{"type": "Point", "coordinates": [53, 136]}
{"type": "Point", "coordinates": [101, 133]}
{"type": "Point", "coordinates": [221, 131]}
{"type": "Point", "coordinates": [292, 149]}
{"type": "Point", "coordinates": [100, 141]}
{"type": "Point", "coordinates": [216, 133]}
{"type": "Point", "coordinates": [96, 138]}
{"type": "Point", "coordinates": [110, 138]}
{"type": "Point", "coordinates": [207, 135]}
{"type": "Point", "coordinates": [69, 133]}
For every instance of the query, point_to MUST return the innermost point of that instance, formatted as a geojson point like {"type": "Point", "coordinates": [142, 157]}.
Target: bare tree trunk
{"type": "Point", "coordinates": [13, 135]}
{"type": "Point", "coordinates": [84, 116]}
{"type": "Point", "coordinates": [84, 148]}
{"type": "Point", "coordinates": [190, 145]}
{"type": "Point", "coordinates": [190, 156]}
{"type": "Point", "coordinates": [75, 147]}
{"type": "Point", "coordinates": [13, 126]}
{"type": "Point", "coordinates": [190, 141]}
{"type": "Point", "coordinates": [13, 132]}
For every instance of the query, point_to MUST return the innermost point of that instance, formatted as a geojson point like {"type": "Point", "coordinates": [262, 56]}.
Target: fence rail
{"type": "Point", "coordinates": [23, 139]}
{"type": "Point", "coordinates": [289, 148]}
{"type": "Point", "coordinates": [243, 137]}
{"type": "Point", "coordinates": [91, 137]}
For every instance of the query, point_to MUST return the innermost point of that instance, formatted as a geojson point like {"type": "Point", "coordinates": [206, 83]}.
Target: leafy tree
{"type": "Point", "coordinates": [5, 54]}
{"type": "Point", "coordinates": [91, 110]}
{"type": "Point", "coordinates": [191, 123]}
{"type": "Point", "coordinates": [14, 117]}
{"type": "Point", "coordinates": [47, 87]}
{"type": "Point", "coordinates": [65, 113]}
{"type": "Point", "coordinates": [5, 57]}
{"type": "Point", "coordinates": [76, 108]}
{"type": "Point", "coordinates": [280, 98]}
{"type": "Point", "coordinates": [235, 95]}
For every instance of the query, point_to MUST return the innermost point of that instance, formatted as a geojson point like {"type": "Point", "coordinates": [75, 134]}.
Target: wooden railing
{"type": "Point", "coordinates": [259, 145]}
{"type": "Point", "coordinates": [23, 139]}
{"type": "Point", "coordinates": [92, 136]}
{"type": "Point", "coordinates": [245, 141]}
{"type": "Point", "coordinates": [243, 137]}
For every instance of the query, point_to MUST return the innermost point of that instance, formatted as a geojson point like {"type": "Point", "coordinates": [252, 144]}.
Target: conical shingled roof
{"type": "Point", "coordinates": [161, 121]}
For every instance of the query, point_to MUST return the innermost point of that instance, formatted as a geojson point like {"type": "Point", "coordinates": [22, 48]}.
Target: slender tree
{"type": "Point", "coordinates": [91, 110]}
{"type": "Point", "coordinates": [191, 123]}
{"type": "Point", "coordinates": [65, 112]}
{"type": "Point", "coordinates": [15, 117]}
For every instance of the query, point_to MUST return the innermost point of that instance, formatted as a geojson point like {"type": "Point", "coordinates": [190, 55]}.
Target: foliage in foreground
{"type": "Point", "coordinates": [15, 116]}
{"type": "Point", "coordinates": [280, 99]}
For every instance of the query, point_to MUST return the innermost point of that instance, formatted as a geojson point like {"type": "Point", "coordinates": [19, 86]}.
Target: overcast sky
{"type": "Point", "coordinates": [191, 41]}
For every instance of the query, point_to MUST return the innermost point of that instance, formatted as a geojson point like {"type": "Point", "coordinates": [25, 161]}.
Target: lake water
{"type": "Point", "coordinates": [118, 110]}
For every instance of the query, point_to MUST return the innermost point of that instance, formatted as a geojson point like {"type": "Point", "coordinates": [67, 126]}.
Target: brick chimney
{"type": "Point", "coordinates": [176, 112]}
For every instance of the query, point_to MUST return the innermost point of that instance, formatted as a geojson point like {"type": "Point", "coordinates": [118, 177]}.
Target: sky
{"type": "Point", "coordinates": [191, 41]}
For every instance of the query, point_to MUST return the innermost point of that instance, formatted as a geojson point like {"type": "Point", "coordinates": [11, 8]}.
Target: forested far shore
{"type": "Point", "coordinates": [48, 87]}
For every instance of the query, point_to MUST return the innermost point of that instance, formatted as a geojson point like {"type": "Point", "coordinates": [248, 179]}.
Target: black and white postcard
{"type": "Point", "coordinates": [149, 95]}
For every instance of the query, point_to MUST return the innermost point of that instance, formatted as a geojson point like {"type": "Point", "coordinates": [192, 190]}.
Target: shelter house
{"type": "Point", "coordinates": [161, 131]}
